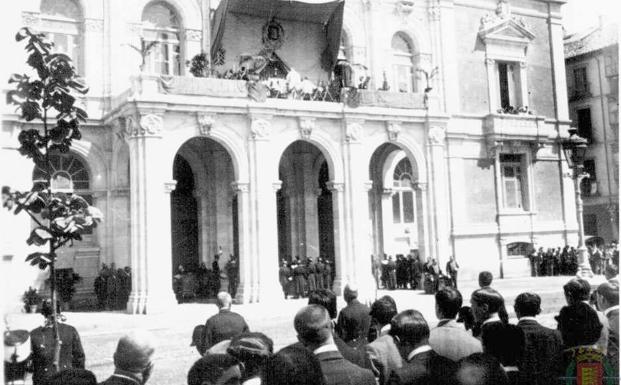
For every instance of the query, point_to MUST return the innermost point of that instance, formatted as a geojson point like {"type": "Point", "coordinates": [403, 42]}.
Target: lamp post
{"type": "Point", "coordinates": [575, 148]}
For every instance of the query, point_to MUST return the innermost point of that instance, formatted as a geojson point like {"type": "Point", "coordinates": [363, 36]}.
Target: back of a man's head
{"type": "Point", "coordinates": [503, 341]}
{"type": "Point", "coordinates": [383, 309]}
{"type": "Point", "coordinates": [485, 278]}
{"type": "Point", "coordinates": [350, 292]}
{"type": "Point", "coordinates": [294, 364]}
{"type": "Point", "coordinates": [577, 290]}
{"type": "Point", "coordinates": [610, 293]}
{"type": "Point", "coordinates": [214, 369]}
{"type": "Point", "coordinates": [134, 351]}
{"type": "Point", "coordinates": [527, 305]}
{"type": "Point", "coordinates": [325, 298]}
{"type": "Point", "coordinates": [224, 300]}
{"type": "Point", "coordinates": [611, 271]}
{"type": "Point", "coordinates": [410, 328]}
{"type": "Point", "coordinates": [448, 302]}
{"type": "Point", "coordinates": [490, 297]}
{"type": "Point", "coordinates": [480, 369]}
{"type": "Point", "coordinates": [313, 325]}
{"type": "Point", "coordinates": [579, 325]}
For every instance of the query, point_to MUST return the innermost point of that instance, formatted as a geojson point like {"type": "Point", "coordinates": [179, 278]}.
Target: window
{"type": "Point", "coordinates": [61, 22]}
{"type": "Point", "coordinates": [512, 181]}
{"type": "Point", "coordinates": [519, 249]}
{"type": "Point", "coordinates": [585, 129]}
{"type": "Point", "coordinates": [402, 64]}
{"type": "Point", "coordinates": [69, 175]}
{"type": "Point", "coordinates": [403, 197]}
{"type": "Point", "coordinates": [611, 65]}
{"type": "Point", "coordinates": [588, 186]}
{"type": "Point", "coordinates": [581, 85]}
{"type": "Point", "coordinates": [162, 27]}
{"type": "Point", "coordinates": [509, 85]}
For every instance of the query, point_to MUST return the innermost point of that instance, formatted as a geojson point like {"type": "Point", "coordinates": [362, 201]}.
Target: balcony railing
{"type": "Point", "coordinates": [260, 91]}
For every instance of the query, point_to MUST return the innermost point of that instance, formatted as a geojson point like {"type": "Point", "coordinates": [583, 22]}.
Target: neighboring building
{"type": "Point", "coordinates": [592, 61]}
{"type": "Point", "coordinates": [184, 166]}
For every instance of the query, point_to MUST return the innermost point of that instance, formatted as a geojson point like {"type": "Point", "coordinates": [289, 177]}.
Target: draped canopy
{"type": "Point", "coordinates": [327, 13]}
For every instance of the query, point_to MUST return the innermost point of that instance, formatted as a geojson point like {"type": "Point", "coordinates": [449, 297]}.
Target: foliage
{"type": "Point", "coordinates": [66, 280]}
{"type": "Point", "coordinates": [31, 297]}
{"type": "Point", "coordinates": [53, 89]}
{"type": "Point", "coordinates": [199, 65]}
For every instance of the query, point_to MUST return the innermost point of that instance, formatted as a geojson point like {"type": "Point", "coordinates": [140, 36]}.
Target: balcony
{"type": "Point", "coordinates": [513, 130]}
{"type": "Point", "coordinates": [152, 87]}
{"type": "Point", "coordinates": [579, 93]}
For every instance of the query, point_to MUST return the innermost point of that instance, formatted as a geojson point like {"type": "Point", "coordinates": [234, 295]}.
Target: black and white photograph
{"type": "Point", "coordinates": [309, 192]}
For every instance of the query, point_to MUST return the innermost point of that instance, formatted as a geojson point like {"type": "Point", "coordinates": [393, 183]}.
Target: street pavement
{"type": "Point", "coordinates": [174, 356]}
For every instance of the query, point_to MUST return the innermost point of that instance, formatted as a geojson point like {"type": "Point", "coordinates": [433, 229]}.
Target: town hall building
{"type": "Point", "coordinates": [343, 129]}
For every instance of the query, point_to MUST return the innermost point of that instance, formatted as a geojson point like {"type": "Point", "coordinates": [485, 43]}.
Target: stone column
{"type": "Point", "coordinates": [264, 228]}
{"type": "Point", "coordinates": [310, 214]}
{"type": "Point", "coordinates": [424, 215]}
{"type": "Point", "coordinates": [243, 224]}
{"type": "Point", "coordinates": [202, 209]}
{"type": "Point", "coordinates": [436, 139]}
{"type": "Point", "coordinates": [341, 267]}
{"type": "Point", "coordinates": [150, 217]}
{"type": "Point", "coordinates": [387, 220]}
{"type": "Point", "coordinates": [357, 208]}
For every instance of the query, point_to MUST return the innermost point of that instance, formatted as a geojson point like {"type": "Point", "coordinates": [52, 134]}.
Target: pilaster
{"type": "Point", "coordinates": [242, 191]}
{"type": "Point", "coordinates": [151, 260]}
{"type": "Point", "coordinates": [342, 271]}
{"type": "Point", "coordinates": [436, 142]}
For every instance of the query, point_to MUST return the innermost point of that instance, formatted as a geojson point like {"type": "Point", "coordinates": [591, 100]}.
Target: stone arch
{"type": "Point", "coordinates": [95, 162]}
{"type": "Point", "coordinates": [391, 162]}
{"type": "Point", "coordinates": [225, 137]}
{"type": "Point", "coordinates": [326, 145]}
{"type": "Point", "coordinates": [188, 11]}
{"type": "Point", "coordinates": [412, 149]}
{"type": "Point", "coordinates": [418, 37]}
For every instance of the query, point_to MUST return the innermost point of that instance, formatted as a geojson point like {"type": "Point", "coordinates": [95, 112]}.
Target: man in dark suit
{"type": "Point", "coordinates": [224, 325]}
{"type": "Point", "coordinates": [382, 353]}
{"type": "Point", "coordinates": [299, 277]}
{"type": "Point", "coordinates": [314, 330]}
{"type": "Point", "coordinates": [423, 365]}
{"type": "Point", "coordinates": [42, 347]}
{"type": "Point", "coordinates": [608, 302]}
{"type": "Point", "coordinates": [132, 359]}
{"type": "Point", "coordinates": [541, 344]}
{"type": "Point", "coordinates": [284, 276]}
{"type": "Point", "coordinates": [327, 299]}
{"type": "Point", "coordinates": [354, 319]}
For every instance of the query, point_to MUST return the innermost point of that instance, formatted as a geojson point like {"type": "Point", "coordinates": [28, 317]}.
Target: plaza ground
{"type": "Point", "coordinates": [174, 356]}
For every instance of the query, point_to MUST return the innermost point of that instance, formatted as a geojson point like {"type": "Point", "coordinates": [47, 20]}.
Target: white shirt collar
{"type": "Point", "coordinates": [325, 348]}
{"type": "Point", "coordinates": [418, 350]}
{"type": "Point", "coordinates": [616, 307]}
{"type": "Point", "coordinates": [528, 318]}
{"type": "Point", "coordinates": [384, 330]}
{"type": "Point", "coordinates": [493, 318]}
{"type": "Point", "coordinates": [125, 377]}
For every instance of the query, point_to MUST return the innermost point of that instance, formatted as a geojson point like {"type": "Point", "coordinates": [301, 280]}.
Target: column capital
{"type": "Point", "coordinates": [368, 185]}
{"type": "Point", "coordinates": [489, 61]}
{"type": "Point", "coordinates": [420, 186]}
{"type": "Point", "coordinates": [242, 187]}
{"type": "Point", "coordinates": [387, 191]}
{"type": "Point", "coordinates": [353, 131]}
{"type": "Point", "coordinates": [436, 135]}
{"type": "Point", "coordinates": [170, 186]}
{"type": "Point", "coordinates": [143, 125]}
{"type": "Point", "coordinates": [260, 128]}
{"type": "Point", "coordinates": [336, 186]}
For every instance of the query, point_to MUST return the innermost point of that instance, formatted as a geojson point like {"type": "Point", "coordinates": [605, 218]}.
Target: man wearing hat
{"type": "Point", "coordinates": [42, 346]}
{"type": "Point", "coordinates": [132, 359]}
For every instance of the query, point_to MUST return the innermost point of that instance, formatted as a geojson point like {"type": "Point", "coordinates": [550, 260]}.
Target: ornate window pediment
{"type": "Point", "coordinates": [505, 36]}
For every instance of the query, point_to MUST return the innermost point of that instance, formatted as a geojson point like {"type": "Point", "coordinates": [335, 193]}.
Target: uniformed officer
{"type": "Point", "coordinates": [42, 345]}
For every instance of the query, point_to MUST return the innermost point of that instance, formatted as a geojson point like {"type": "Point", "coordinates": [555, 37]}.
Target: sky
{"type": "Point", "coordinates": [581, 14]}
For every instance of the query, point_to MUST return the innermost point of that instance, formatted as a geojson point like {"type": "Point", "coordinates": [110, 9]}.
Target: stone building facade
{"type": "Point", "coordinates": [592, 61]}
{"type": "Point", "coordinates": [183, 167]}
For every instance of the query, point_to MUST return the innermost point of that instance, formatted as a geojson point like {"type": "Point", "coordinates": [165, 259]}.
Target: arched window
{"type": "Point", "coordinates": [402, 64]}
{"type": "Point", "coordinates": [69, 175]}
{"type": "Point", "coordinates": [61, 20]}
{"type": "Point", "coordinates": [162, 27]}
{"type": "Point", "coordinates": [403, 197]}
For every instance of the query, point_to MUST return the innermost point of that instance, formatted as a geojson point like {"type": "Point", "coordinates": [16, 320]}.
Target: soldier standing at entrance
{"type": "Point", "coordinates": [299, 273]}
{"type": "Point", "coordinates": [452, 268]}
{"type": "Point", "coordinates": [311, 270]}
{"type": "Point", "coordinates": [215, 269]}
{"type": "Point", "coordinates": [284, 276]}
{"type": "Point", "coordinates": [321, 267]}
{"type": "Point", "coordinates": [232, 272]}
